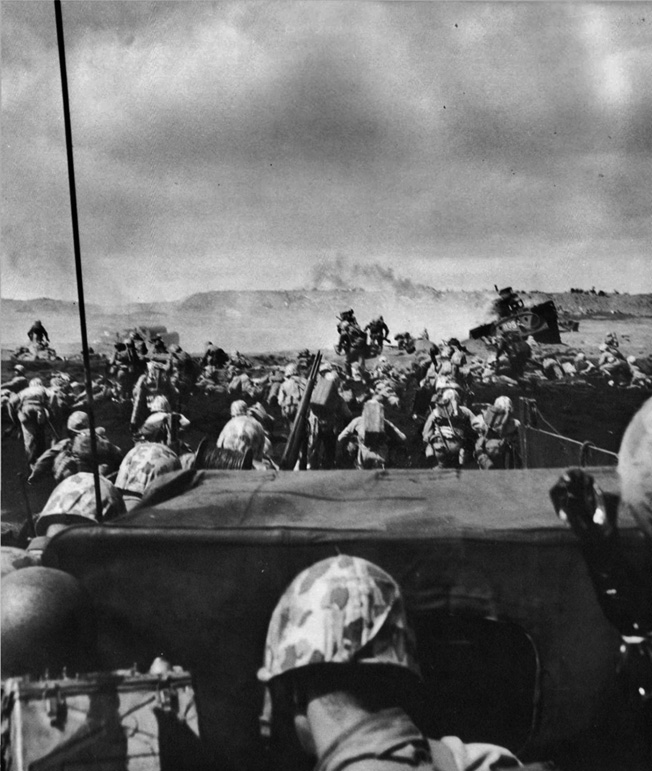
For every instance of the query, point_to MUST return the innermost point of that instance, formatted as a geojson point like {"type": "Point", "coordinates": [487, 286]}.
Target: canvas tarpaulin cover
{"type": "Point", "coordinates": [197, 578]}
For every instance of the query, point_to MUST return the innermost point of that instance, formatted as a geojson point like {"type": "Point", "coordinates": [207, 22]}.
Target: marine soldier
{"type": "Point", "coordinates": [372, 448]}
{"type": "Point", "coordinates": [214, 356]}
{"type": "Point", "coordinates": [340, 668]}
{"type": "Point", "coordinates": [18, 381]}
{"type": "Point", "coordinates": [58, 459]}
{"type": "Point", "coordinates": [155, 382]}
{"type": "Point", "coordinates": [38, 335]}
{"type": "Point", "coordinates": [33, 409]}
{"type": "Point", "coordinates": [497, 444]}
{"type": "Point", "coordinates": [291, 392]}
{"type": "Point", "coordinates": [447, 432]}
{"type": "Point", "coordinates": [141, 466]}
{"type": "Point", "coordinates": [378, 332]}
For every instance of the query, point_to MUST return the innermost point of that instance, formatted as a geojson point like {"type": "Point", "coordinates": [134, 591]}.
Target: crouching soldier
{"type": "Point", "coordinates": [373, 436]}
{"type": "Point", "coordinates": [447, 432]}
{"type": "Point", "coordinates": [341, 675]}
{"type": "Point", "coordinates": [33, 408]}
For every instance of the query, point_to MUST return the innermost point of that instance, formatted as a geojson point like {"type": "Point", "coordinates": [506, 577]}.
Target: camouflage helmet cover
{"type": "Point", "coordinates": [77, 421]}
{"type": "Point", "coordinates": [342, 610]}
{"type": "Point", "coordinates": [73, 500]}
{"type": "Point", "coordinates": [144, 463]}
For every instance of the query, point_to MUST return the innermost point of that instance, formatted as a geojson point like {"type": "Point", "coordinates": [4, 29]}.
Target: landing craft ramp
{"type": "Point", "coordinates": [197, 578]}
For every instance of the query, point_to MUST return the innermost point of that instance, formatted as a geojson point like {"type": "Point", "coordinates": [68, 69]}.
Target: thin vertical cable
{"type": "Point", "coordinates": [78, 264]}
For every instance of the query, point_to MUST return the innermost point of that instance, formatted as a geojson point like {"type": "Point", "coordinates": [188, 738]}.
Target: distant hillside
{"type": "Point", "coordinates": [279, 320]}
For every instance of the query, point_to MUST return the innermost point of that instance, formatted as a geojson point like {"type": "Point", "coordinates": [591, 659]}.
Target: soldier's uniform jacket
{"type": "Point", "coordinates": [289, 395]}
{"type": "Point", "coordinates": [439, 427]}
{"type": "Point", "coordinates": [147, 387]}
{"type": "Point", "coordinates": [389, 741]}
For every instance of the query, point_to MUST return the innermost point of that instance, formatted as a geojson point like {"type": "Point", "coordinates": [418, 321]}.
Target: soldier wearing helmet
{"type": "Point", "coordinates": [73, 454]}
{"type": "Point", "coordinates": [38, 334]}
{"type": "Point", "coordinates": [73, 502]}
{"type": "Point", "coordinates": [448, 431]}
{"type": "Point", "coordinates": [142, 465]}
{"type": "Point", "coordinates": [33, 410]}
{"type": "Point", "coordinates": [497, 443]}
{"type": "Point", "coordinates": [290, 392]}
{"type": "Point", "coordinates": [155, 382]}
{"type": "Point", "coordinates": [246, 433]}
{"type": "Point", "coordinates": [340, 670]}
{"type": "Point", "coordinates": [18, 381]}
{"type": "Point", "coordinates": [163, 425]}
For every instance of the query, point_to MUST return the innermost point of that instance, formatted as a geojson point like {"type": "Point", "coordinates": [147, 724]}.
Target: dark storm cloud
{"type": "Point", "coordinates": [249, 142]}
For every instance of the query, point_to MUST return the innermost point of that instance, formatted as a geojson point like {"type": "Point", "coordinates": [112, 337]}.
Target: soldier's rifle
{"type": "Point", "coordinates": [298, 432]}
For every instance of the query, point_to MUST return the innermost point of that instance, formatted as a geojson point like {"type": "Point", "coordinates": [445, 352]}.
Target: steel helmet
{"type": "Point", "coordinates": [631, 359]}
{"type": "Point", "coordinates": [144, 463]}
{"type": "Point", "coordinates": [160, 404]}
{"type": "Point", "coordinates": [342, 610]}
{"type": "Point", "coordinates": [238, 407]}
{"type": "Point", "coordinates": [504, 404]}
{"type": "Point", "coordinates": [258, 412]}
{"type": "Point", "coordinates": [48, 623]}
{"type": "Point", "coordinates": [73, 501]}
{"type": "Point", "coordinates": [635, 468]}
{"type": "Point", "coordinates": [19, 368]}
{"type": "Point", "coordinates": [291, 369]}
{"type": "Point", "coordinates": [77, 421]}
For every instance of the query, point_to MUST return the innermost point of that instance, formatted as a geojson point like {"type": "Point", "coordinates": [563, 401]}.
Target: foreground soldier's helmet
{"type": "Point", "coordinates": [73, 501]}
{"type": "Point", "coordinates": [77, 421]}
{"type": "Point", "coordinates": [47, 624]}
{"type": "Point", "coordinates": [342, 610]}
{"type": "Point", "coordinates": [635, 468]}
{"type": "Point", "coordinates": [291, 369]}
{"type": "Point", "coordinates": [144, 463]}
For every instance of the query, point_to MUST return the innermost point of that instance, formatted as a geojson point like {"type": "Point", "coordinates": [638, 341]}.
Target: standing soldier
{"type": "Point", "coordinates": [122, 368]}
{"type": "Point", "coordinates": [497, 445]}
{"type": "Point", "coordinates": [378, 332]}
{"type": "Point", "coordinates": [329, 413]}
{"type": "Point", "coordinates": [154, 382]}
{"type": "Point", "coordinates": [447, 431]}
{"type": "Point", "coordinates": [38, 335]}
{"type": "Point", "coordinates": [290, 392]}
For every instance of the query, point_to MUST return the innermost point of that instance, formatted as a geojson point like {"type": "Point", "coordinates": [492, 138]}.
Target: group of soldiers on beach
{"type": "Point", "coordinates": [363, 411]}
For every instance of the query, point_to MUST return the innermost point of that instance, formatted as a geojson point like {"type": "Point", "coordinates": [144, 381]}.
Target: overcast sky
{"type": "Point", "coordinates": [237, 145]}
